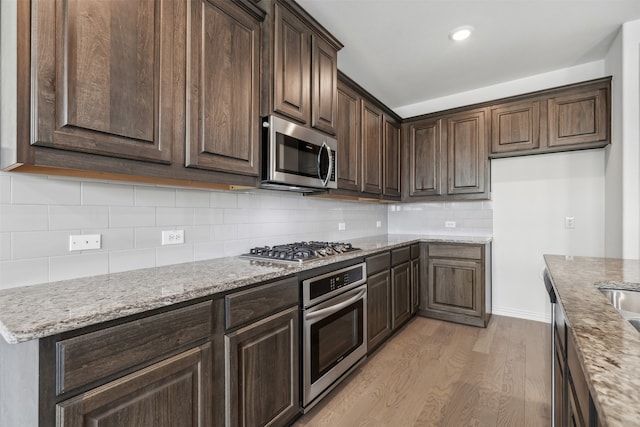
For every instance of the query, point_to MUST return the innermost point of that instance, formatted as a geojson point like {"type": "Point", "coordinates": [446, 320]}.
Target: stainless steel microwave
{"type": "Point", "coordinates": [296, 158]}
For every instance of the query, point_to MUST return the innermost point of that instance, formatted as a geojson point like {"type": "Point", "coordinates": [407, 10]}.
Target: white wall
{"type": "Point", "coordinates": [623, 162]}
{"type": "Point", "coordinates": [531, 198]}
{"type": "Point", "coordinates": [38, 213]}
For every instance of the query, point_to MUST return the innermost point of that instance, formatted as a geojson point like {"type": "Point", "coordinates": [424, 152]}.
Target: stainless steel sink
{"type": "Point", "coordinates": [627, 302]}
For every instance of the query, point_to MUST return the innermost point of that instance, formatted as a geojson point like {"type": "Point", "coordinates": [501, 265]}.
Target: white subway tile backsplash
{"type": "Point", "coordinates": [74, 217]}
{"type": "Point", "coordinates": [23, 272]}
{"type": "Point", "coordinates": [154, 196]}
{"type": "Point", "coordinates": [192, 198]}
{"type": "Point", "coordinates": [132, 216]}
{"type": "Point", "coordinates": [36, 244]}
{"type": "Point", "coordinates": [174, 216]}
{"type": "Point", "coordinates": [107, 194]}
{"type": "Point", "coordinates": [148, 237]}
{"type": "Point", "coordinates": [35, 224]}
{"type": "Point", "coordinates": [202, 251]}
{"type": "Point", "coordinates": [208, 216]}
{"type": "Point", "coordinates": [5, 188]}
{"type": "Point", "coordinates": [23, 217]}
{"type": "Point", "coordinates": [131, 259]}
{"type": "Point", "coordinates": [38, 190]}
{"type": "Point", "coordinates": [174, 254]}
{"type": "Point", "coordinates": [81, 265]}
{"type": "Point", "coordinates": [5, 246]}
{"type": "Point", "coordinates": [227, 199]}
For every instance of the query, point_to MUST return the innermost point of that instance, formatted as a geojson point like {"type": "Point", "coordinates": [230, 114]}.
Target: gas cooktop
{"type": "Point", "coordinates": [299, 252]}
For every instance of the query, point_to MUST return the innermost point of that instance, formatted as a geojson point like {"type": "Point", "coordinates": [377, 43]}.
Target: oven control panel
{"type": "Point", "coordinates": [319, 287]}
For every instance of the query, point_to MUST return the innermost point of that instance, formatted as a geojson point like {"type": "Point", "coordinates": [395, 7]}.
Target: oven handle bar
{"type": "Point", "coordinates": [334, 308]}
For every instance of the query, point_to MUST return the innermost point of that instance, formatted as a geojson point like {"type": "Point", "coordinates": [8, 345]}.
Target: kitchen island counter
{"type": "Point", "coordinates": [38, 311]}
{"type": "Point", "coordinates": [607, 345]}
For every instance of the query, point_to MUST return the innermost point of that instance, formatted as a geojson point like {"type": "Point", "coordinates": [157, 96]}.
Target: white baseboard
{"type": "Point", "coordinates": [521, 314]}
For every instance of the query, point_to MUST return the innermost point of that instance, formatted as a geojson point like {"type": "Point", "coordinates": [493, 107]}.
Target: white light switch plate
{"type": "Point", "coordinates": [82, 242]}
{"type": "Point", "coordinates": [342, 226]}
{"type": "Point", "coordinates": [450, 224]}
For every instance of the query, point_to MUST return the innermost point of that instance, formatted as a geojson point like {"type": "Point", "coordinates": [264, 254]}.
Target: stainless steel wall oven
{"type": "Point", "coordinates": [334, 319]}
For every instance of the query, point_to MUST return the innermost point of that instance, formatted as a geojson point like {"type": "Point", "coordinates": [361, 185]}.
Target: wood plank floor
{"type": "Point", "coordinates": [434, 373]}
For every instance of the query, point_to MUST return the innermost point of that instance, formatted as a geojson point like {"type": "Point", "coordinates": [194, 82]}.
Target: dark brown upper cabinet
{"type": "Point", "coordinates": [348, 135]}
{"type": "Point", "coordinates": [447, 156]}
{"type": "Point", "coordinates": [391, 158]}
{"type": "Point", "coordinates": [372, 148]}
{"type": "Point", "coordinates": [102, 79]}
{"type": "Point", "coordinates": [223, 69]}
{"type": "Point", "coordinates": [514, 126]}
{"type": "Point", "coordinates": [162, 91]}
{"type": "Point", "coordinates": [300, 67]}
{"type": "Point", "coordinates": [369, 149]}
{"type": "Point", "coordinates": [572, 117]}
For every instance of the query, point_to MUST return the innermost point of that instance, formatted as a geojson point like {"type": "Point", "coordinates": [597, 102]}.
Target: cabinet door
{"type": "Point", "coordinates": [292, 66]}
{"type": "Point", "coordinates": [467, 153]}
{"type": "Point", "coordinates": [223, 68]}
{"type": "Point", "coordinates": [371, 149]}
{"type": "Point", "coordinates": [324, 76]}
{"type": "Point", "coordinates": [415, 285]}
{"type": "Point", "coordinates": [174, 392]}
{"type": "Point", "coordinates": [348, 125]}
{"type": "Point", "coordinates": [578, 118]}
{"type": "Point", "coordinates": [425, 158]}
{"type": "Point", "coordinates": [391, 155]}
{"type": "Point", "coordinates": [378, 309]}
{"type": "Point", "coordinates": [401, 294]}
{"type": "Point", "coordinates": [262, 361]}
{"type": "Point", "coordinates": [455, 286]}
{"type": "Point", "coordinates": [515, 127]}
{"type": "Point", "coordinates": [103, 77]}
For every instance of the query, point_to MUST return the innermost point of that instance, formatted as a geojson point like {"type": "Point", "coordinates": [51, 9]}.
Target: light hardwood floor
{"type": "Point", "coordinates": [434, 373]}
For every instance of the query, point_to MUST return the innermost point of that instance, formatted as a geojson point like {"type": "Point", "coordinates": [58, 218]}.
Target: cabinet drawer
{"type": "Point", "coordinates": [398, 256]}
{"type": "Point", "coordinates": [252, 304]}
{"type": "Point", "coordinates": [90, 357]}
{"type": "Point", "coordinates": [415, 251]}
{"type": "Point", "coordinates": [455, 251]}
{"type": "Point", "coordinates": [378, 263]}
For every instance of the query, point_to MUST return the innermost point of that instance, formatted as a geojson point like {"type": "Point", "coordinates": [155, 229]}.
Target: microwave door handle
{"type": "Point", "coordinates": [330, 170]}
{"type": "Point", "coordinates": [334, 308]}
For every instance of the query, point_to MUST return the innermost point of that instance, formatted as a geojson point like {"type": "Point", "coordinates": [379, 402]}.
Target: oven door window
{"type": "Point", "coordinates": [334, 338]}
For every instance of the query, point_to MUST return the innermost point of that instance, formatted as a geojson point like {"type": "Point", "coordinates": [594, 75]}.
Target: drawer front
{"type": "Point", "coordinates": [415, 251]}
{"type": "Point", "coordinates": [378, 263]}
{"type": "Point", "coordinates": [398, 256]}
{"type": "Point", "coordinates": [252, 304]}
{"type": "Point", "coordinates": [86, 358]}
{"type": "Point", "coordinates": [455, 251]}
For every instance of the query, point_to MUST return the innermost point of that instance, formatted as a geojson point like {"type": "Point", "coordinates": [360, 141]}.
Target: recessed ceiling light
{"type": "Point", "coordinates": [460, 33]}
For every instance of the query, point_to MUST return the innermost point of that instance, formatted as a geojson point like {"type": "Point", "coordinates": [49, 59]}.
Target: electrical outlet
{"type": "Point", "coordinates": [378, 224]}
{"type": "Point", "coordinates": [342, 226]}
{"type": "Point", "coordinates": [85, 241]}
{"type": "Point", "coordinates": [450, 224]}
{"type": "Point", "coordinates": [173, 237]}
{"type": "Point", "coordinates": [569, 222]}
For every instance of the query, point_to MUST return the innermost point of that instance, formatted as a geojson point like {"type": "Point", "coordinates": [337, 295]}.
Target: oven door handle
{"type": "Point", "coordinates": [334, 308]}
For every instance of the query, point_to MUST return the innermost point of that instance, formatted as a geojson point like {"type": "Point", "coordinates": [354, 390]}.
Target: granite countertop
{"type": "Point", "coordinates": [38, 311]}
{"type": "Point", "coordinates": [607, 345]}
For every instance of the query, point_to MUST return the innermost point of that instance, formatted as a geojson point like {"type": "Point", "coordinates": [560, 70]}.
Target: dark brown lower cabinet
{"type": "Point", "coordinates": [415, 278]}
{"type": "Point", "coordinates": [378, 309]}
{"type": "Point", "coordinates": [262, 365]}
{"type": "Point", "coordinates": [173, 392]}
{"type": "Point", "coordinates": [458, 283]}
{"type": "Point", "coordinates": [401, 294]}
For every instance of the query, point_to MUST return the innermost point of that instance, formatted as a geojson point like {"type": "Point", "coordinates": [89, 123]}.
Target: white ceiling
{"type": "Point", "coordinates": [399, 50]}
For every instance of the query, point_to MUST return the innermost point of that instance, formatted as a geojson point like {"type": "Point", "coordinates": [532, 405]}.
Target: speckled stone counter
{"type": "Point", "coordinates": [607, 345]}
{"type": "Point", "coordinates": [33, 312]}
